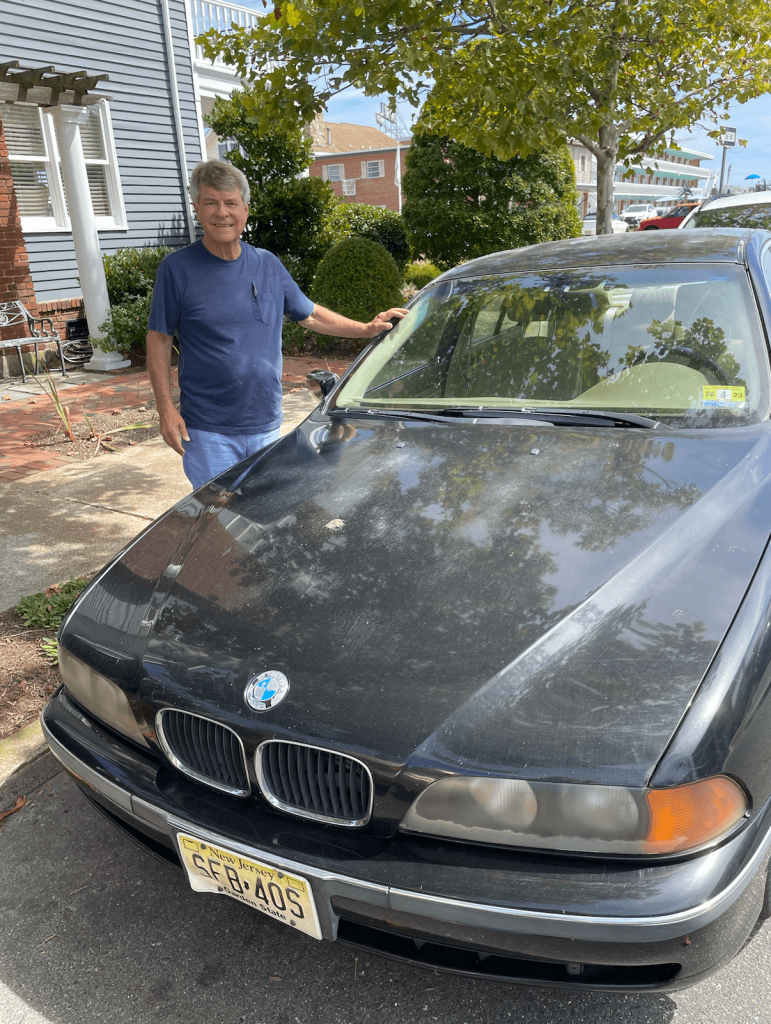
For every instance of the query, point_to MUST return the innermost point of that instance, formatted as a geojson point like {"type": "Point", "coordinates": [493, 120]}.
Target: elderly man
{"type": "Point", "coordinates": [226, 301]}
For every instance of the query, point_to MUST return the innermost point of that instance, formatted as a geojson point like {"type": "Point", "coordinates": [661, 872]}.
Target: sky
{"type": "Point", "coordinates": [752, 121]}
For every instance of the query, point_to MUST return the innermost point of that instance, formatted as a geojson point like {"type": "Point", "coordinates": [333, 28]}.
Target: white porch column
{"type": "Point", "coordinates": [84, 234]}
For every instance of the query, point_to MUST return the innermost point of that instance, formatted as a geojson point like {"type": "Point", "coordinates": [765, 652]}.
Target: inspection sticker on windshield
{"type": "Point", "coordinates": [287, 898]}
{"type": "Point", "coordinates": [723, 398]}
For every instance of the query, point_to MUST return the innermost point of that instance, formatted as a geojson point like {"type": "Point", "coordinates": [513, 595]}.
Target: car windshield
{"type": "Point", "coordinates": [751, 215]}
{"type": "Point", "coordinates": [636, 209]}
{"type": "Point", "coordinates": [677, 341]}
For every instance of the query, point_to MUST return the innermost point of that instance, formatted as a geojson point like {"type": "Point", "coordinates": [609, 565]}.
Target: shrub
{"type": "Point", "coordinates": [294, 337]}
{"type": "Point", "coordinates": [46, 610]}
{"type": "Point", "coordinates": [131, 272]}
{"type": "Point", "coordinates": [460, 204]}
{"type": "Point", "coordinates": [288, 218]}
{"type": "Point", "coordinates": [375, 223]}
{"type": "Point", "coordinates": [420, 273]}
{"type": "Point", "coordinates": [357, 278]}
{"type": "Point", "coordinates": [126, 326]}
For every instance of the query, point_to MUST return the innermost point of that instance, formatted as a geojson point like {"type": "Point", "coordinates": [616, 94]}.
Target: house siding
{"type": "Point", "coordinates": [125, 40]}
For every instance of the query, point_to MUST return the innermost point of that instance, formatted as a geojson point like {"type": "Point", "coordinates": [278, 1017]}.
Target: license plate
{"type": "Point", "coordinates": [287, 898]}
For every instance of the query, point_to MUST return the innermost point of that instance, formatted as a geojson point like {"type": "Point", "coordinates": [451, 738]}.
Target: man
{"type": "Point", "coordinates": [226, 301]}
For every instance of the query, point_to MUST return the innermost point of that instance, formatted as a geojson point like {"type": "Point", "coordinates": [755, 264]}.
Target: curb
{"type": "Point", "coordinates": [20, 750]}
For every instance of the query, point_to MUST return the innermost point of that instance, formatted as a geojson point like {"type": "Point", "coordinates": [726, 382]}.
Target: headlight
{"type": "Point", "coordinates": [99, 695]}
{"type": "Point", "coordinates": [589, 819]}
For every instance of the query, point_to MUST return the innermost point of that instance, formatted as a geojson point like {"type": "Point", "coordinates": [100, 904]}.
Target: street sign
{"type": "Point", "coordinates": [728, 138]}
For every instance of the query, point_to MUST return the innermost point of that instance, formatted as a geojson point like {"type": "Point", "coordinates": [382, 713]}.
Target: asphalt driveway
{"type": "Point", "coordinates": [96, 930]}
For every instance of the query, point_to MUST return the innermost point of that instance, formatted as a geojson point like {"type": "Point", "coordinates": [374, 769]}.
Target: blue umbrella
{"type": "Point", "coordinates": [749, 176]}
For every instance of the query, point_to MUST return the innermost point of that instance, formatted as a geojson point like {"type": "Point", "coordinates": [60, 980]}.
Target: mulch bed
{"type": "Point", "coordinates": [106, 438]}
{"type": "Point", "coordinates": [27, 677]}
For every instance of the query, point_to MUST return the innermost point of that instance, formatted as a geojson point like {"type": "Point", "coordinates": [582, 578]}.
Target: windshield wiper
{"type": "Point", "coordinates": [619, 419]}
{"type": "Point", "coordinates": [555, 417]}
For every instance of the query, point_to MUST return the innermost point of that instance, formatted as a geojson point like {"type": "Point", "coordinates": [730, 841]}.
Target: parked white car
{"type": "Point", "coordinates": [637, 212]}
{"type": "Point", "coordinates": [751, 210]}
{"type": "Point", "coordinates": [590, 224]}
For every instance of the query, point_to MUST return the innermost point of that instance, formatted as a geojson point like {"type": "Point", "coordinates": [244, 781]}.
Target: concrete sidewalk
{"type": "Point", "coordinates": [72, 519]}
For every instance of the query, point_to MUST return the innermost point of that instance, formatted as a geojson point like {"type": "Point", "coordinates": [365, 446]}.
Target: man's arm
{"type": "Point", "coordinates": [159, 369]}
{"type": "Point", "coordinates": [324, 321]}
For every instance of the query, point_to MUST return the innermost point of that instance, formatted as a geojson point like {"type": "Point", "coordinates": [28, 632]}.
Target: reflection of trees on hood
{"type": "Point", "coordinates": [592, 717]}
{"type": "Point", "coordinates": [440, 568]}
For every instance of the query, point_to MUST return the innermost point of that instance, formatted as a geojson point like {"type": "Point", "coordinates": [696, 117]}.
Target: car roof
{"type": "Point", "coordinates": [708, 245]}
{"type": "Point", "coordinates": [747, 199]}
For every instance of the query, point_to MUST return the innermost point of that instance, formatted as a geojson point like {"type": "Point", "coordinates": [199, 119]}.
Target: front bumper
{"type": "Point", "coordinates": [538, 920]}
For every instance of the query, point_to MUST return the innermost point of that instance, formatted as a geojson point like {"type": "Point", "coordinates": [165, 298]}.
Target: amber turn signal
{"type": "Point", "coordinates": [689, 816]}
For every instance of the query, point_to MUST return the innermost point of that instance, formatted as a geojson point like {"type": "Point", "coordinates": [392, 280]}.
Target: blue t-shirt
{"type": "Point", "coordinates": [227, 315]}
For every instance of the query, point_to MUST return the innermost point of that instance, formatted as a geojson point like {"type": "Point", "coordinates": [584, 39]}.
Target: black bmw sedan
{"type": "Point", "coordinates": [472, 669]}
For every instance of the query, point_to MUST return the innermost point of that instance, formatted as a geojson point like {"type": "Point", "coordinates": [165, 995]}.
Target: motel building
{"type": "Point", "coordinates": [659, 180]}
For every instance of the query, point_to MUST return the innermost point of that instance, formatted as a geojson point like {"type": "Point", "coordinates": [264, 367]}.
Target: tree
{"type": "Point", "coordinates": [460, 204]}
{"type": "Point", "coordinates": [512, 77]}
{"type": "Point", "coordinates": [288, 215]}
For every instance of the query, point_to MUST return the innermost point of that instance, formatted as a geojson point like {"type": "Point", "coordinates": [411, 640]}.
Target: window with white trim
{"type": "Point", "coordinates": [373, 168]}
{"type": "Point", "coordinates": [333, 172]}
{"type": "Point", "coordinates": [35, 167]}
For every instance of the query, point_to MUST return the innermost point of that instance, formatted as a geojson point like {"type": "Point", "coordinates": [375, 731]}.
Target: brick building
{"type": "Point", "coordinates": [358, 162]}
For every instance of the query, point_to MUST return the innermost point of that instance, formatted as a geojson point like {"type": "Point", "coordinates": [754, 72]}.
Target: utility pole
{"type": "Point", "coordinates": [389, 121]}
{"type": "Point", "coordinates": [727, 141]}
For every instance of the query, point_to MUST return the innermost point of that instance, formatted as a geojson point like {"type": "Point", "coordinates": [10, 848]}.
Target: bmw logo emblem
{"type": "Point", "coordinates": [265, 691]}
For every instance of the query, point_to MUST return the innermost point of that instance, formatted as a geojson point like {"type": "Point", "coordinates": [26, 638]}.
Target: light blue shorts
{"type": "Point", "coordinates": [207, 455]}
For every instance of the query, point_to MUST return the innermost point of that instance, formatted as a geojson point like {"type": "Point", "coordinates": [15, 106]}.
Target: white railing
{"type": "Point", "coordinates": [220, 17]}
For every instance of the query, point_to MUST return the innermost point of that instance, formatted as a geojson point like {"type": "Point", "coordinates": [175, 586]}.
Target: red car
{"type": "Point", "coordinates": [672, 219]}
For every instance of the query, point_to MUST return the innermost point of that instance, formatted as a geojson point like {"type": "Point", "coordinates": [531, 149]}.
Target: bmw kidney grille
{"type": "Point", "coordinates": [204, 750]}
{"type": "Point", "coordinates": [315, 783]}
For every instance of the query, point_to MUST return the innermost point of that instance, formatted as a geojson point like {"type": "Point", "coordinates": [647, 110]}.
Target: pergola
{"type": "Point", "coordinates": [67, 96]}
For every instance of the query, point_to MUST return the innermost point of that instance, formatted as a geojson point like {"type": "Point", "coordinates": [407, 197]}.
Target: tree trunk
{"type": "Point", "coordinates": [606, 171]}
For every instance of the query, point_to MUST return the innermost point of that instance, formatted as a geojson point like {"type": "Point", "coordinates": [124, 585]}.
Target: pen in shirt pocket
{"type": "Point", "coordinates": [254, 289]}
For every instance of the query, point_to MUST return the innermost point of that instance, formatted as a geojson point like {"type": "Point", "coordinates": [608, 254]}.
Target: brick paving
{"type": "Point", "coordinates": [24, 418]}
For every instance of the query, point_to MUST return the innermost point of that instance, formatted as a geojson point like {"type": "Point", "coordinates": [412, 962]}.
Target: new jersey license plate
{"type": "Point", "coordinates": [285, 897]}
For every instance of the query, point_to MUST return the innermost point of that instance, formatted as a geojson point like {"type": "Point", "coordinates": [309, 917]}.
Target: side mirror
{"type": "Point", "coordinates": [321, 382]}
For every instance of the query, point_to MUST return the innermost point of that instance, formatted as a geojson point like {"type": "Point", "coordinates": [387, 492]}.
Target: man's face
{"type": "Point", "coordinates": [222, 214]}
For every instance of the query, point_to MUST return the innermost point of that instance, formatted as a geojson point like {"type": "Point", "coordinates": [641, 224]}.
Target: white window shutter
{"type": "Point", "coordinates": [381, 168]}
{"type": "Point", "coordinates": [325, 172]}
{"type": "Point", "coordinates": [364, 168]}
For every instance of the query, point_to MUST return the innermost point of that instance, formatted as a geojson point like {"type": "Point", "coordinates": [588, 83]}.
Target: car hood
{"type": "Point", "coordinates": [529, 600]}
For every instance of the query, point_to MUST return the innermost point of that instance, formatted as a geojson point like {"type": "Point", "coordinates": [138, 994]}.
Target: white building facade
{"type": "Point", "coordinates": [660, 180]}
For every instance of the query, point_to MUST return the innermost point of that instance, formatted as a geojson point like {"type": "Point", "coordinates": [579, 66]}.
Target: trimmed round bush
{"type": "Point", "coordinates": [375, 223]}
{"type": "Point", "coordinates": [359, 279]}
{"type": "Point", "coordinates": [420, 273]}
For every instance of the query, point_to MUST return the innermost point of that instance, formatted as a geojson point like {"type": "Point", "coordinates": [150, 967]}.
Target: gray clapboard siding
{"type": "Point", "coordinates": [125, 39]}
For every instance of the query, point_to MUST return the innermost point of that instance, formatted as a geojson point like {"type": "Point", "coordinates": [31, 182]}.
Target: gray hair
{"type": "Point", "coordinates": [220, 175]}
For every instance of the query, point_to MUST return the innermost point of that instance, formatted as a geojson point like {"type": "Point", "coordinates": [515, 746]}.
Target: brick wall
{"type": "Point", "coordinates": [15, 277]}
{"type": "Point", "coordinates": [373, 191]}
{"type": "Point", "coordinates": [60, 311]}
